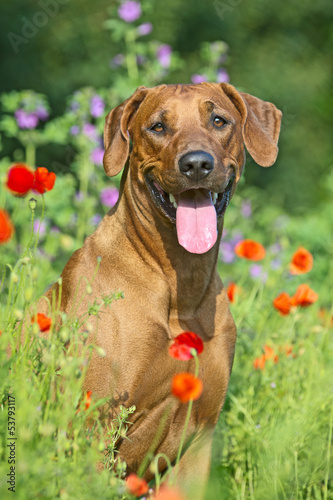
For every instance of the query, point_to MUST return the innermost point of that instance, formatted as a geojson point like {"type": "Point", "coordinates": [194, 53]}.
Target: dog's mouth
{"type": "Point", "coordinates": [194, 212]}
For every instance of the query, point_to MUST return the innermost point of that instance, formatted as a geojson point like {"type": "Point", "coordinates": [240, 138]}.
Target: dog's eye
{"type": "Point", "coordinates": [219, 122]}
{"type": "Point", "coordinates": [158, 127]}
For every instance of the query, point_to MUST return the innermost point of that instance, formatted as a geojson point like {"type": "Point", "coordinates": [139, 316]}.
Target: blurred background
{"type": "Point", "coordinates": [280, 52]}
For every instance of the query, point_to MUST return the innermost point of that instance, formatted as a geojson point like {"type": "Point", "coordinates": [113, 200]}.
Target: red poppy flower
{"type": "Point", "coordinates": [304, 296]}
{"type": "Point", "coordinates": [232, 290]}
{"type": "Point", "coordinates": [181, 346]}
{"type": "Point", "coordinates": [87, 400]}
{"type": "Point", "coordinates": [270, 353]}
{"type": "Point", "coordinates": [136, 485]}
{"type": "Point", "coordinates": [6, 227]}
{"type": "Point", "coordinates": [166, 493]}
{"type": "Point", "coordinates": [283, 303]}
{"type": "Point", "coordinates": [186, 386]}
{"type": "Point", "coordinates": [43, 321]}
{"type": "Point", "coordinates": [20, 179]}
{"type": "Point", "coordinates": [259, 363]}
{"type": "Point", "coordinates": [250, 249]}
{"type": "Point", "coordinates": [287, 349]}
{"type": "Point", "coordinates": [301, 262]}
{"type": "Point", "coordinates": [44, 180]}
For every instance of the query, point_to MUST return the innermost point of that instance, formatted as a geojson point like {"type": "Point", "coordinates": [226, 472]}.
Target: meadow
{"type": "Point", "coordinates": [274, 436]}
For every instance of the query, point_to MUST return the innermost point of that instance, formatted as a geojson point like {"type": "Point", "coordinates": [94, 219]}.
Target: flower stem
{"type": "Point", "coordinates": [132, 67]}
{"type": "Point", "coordinates": [30, 154]}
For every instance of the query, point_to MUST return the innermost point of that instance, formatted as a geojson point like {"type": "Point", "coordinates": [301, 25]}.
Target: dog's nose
{"type": "Point", "coordinates": [196, 165]}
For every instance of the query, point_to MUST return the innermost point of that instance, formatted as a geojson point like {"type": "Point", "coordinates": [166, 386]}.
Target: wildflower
{"type": "Point", "coordinates": [167, 493]}
{"type": "Point", "coordinates": [136, 485]}
{"type": "Point", "coordinates": [40, 226]}
{"type": "Point", "coordinates": [117, 60]}
{"type": "Point", "coordinates": [198, 78]}
{"type": "Point", "coordinates": [246, 209]}
{"type": "Point", "coordinates": [270, 354]}
{"type": "Point", "coordinates": [97, 106]}
{"type": "Point", "coordinates": [256, 271]}
{"type": "Point", "coordinates": [186, 387]}
{"type": "Point", "coordinates": [44, 180]}
{"type": "Point", "coordinates": [283, 303]}
{"type": "Point", "coordinates": [259, 363]}
{"type": "Point", "coordinates": [109, 196]}
{"type": "Point", "coordinates": [222, 76]}
{"type": "Point", "coordinates": [287, 349]}
{"type": "Point", "coordinates": [43, 321]}
{"type": "Point", "coordinates": [145, 29]}
{"type": "Point", "coordinates": [96, 156]}
{"type": "Point", "coordinates": [95, 219]}
{"type": "Point", "coordinates": [20, 179]}
{"type": "Point", "coordinates": [227, 252]}
{"type": "Point", "coordinates": [250, 249]}
{"type": "Point", "coordinates": [129, 11]}
{"type": "Point", "coordinates": [6, 227]}
{"type": "Point", "coordinates": [26, 120]}
{"type": "Point", "coordinates": [302, 261]}
{"type": "Point", "coordinates": [232, 290]}
{"type": "Point", "coordinates": [87, 400]}
{"type": "Point", "coordinates": [164, 55]}
{"type": "Point", "coordinates": [42, 113]}
{"type": "Point", "coordinates": [304, 296]}
{"type": "Point", "coordinates": [182, 345]}
{"type": "Point", "coordinates": [74, 130]}
{"type": "Point", "coordinates": [90, 131]}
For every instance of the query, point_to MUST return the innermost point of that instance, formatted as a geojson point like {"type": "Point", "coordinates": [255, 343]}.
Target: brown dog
{"type": "Point", "coordinates": [159, 246]}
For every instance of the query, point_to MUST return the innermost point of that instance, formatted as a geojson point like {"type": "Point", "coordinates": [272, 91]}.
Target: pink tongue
{"type": "Point", "coordinates": [196, 221]}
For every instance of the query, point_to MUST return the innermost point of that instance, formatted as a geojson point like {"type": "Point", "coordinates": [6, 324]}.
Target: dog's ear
{"type": "Point", "coordinates": [116, 137]}
{"type": "Point", "coordinates": [261, 122]}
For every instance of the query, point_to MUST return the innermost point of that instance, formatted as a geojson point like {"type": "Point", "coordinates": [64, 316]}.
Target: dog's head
{"type": "Point", "coordinates": [188, 150]}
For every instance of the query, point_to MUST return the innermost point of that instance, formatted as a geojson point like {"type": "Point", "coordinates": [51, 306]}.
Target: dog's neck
{"type": "Point", "coordinates": [190, 277]}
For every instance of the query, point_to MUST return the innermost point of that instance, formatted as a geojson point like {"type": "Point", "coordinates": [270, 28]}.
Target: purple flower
{"type": "Point", "coordinates": [96, 219]}
{"type": "Point", "coordinates": [79, 196]}
{"type": "Point", "coordinates": [97, 156]}
{"type": "Point", "coordinates": [109, 196]}
{"type": "Point", "coordinates": [42, 227]}
{"type": "Point", "coordinates": [246, 209]}
{"type": "Point", "coordinates": [74, 130]}
{"type": "Point", "coordinates": [164, 55]}
{"type": "Point", "coordinates": [222, 76]}
{"type": "Point", "coordinates": [227, 252]}
{"type": "Point", "coordinates": [140, 59]}
{"type": "Point", "coordinates": [42, 113]}
{"type": "Point", "coordinates": [256, 271]}
{"type": "Point", "coordinates": [25, 119]}
{"type": "Point", "coordinates": [276, 248]}
{"type": "Point", "coordinates": [97, 106]}
{"type": "Point", "coordinates": [237, 237]}
{"type": "Point", "coordinates": [90, 131]}
{"type": "Point", "coordinates": [117, 60]}
{"type": "Point", "coordinates": [198, 78]}
{"type": "Point", "coordinates": [145, 29]}
{"type": "Point", "coordinates": [129, 11]}
{"type": "Point", "coordinates": [276, 264]}
{"type": "Point", "coordinates": [74, 105]}
{"type": "Point", "coordinates": [273, 385]}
